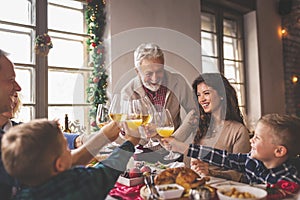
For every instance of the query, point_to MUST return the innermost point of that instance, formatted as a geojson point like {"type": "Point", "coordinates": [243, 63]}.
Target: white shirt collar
{"type": "Point", "coordinates": [7, 126]}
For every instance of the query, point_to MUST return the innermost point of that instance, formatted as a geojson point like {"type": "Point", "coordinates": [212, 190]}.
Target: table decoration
{"type": "Point", "coordinates": [126, 192]}
{"type": "Point", "coordinates": [282, 189]}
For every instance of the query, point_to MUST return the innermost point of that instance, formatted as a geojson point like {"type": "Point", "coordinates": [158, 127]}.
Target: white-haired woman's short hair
{"type": "Point", "coordinates": [147, 51]}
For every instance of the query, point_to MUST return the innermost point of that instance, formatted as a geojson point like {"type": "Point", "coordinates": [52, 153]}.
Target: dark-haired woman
{"type": "Point", "coordinates": [221, 123]}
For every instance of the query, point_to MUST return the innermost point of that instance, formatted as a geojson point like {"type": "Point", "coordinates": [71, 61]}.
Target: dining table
{"type": "Point", "coordinates": [215, 182]}
{"type": "Point", "coordinates": [139, 192]}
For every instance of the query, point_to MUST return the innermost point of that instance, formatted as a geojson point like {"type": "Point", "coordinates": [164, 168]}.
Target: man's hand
{"type": "Point", "coordinates": [111, 130]}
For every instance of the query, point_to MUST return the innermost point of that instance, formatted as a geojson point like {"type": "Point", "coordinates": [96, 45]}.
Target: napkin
{"type": "Point", "coordinates": [126, 192]}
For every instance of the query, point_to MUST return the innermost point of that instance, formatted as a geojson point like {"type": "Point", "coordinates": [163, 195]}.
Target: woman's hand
{"type": "Point", "coordinates": [132, 135]}
{"type": "Point", "coordinates": [175, 145]}
{"type": "Point", "coordinates": [199, 166]}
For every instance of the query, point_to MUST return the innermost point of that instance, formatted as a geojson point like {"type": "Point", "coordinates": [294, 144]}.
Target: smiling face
{"type": "Point", "coordinates": [208, 98]}
{"type": "Point", "coordinates": [262, 143]}
{"type": "Point", "coordinates": [10, 114]}
{"type": "Point", "coordinates": [151, 72]}
{"type": "Point", "coordinates": [8, 84]}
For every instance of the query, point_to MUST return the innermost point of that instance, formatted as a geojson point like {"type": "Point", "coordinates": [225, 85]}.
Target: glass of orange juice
{"type": "Point", "coordinates": [165, 128]}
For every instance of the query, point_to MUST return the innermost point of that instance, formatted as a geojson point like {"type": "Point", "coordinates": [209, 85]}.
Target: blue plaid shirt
{"type": "Point", "coordinates": [253, 169]}
{"type": "Point", "coordinates": [80, 183]}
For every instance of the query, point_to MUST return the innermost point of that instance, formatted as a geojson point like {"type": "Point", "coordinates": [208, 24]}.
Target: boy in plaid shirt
{"type": "Point", "coordinates": [273, 157]}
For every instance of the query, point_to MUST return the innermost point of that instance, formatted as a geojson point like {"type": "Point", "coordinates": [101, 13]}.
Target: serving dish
{"type": "Point", "coordinates": [169, 191]}
{"type": "Point", "coordinates": [238, 192]}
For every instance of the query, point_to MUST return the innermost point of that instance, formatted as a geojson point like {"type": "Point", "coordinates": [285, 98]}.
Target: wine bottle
{"type": "Point", "coordinates": [67, 130]}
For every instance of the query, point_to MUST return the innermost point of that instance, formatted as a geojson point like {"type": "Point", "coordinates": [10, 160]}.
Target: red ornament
{"type": "Point", "coordinates": [93, 123]}
{"type": "Point", "coordinates": [96, 80]}
{"type": "Point", "coordinates": [94, 44]}
{"type": "Point", "coordinates": [47, 39]}
{"type": "Point", "coordinates": [288, 186]}
{"type": "Point", "coordinates": [281, 189]}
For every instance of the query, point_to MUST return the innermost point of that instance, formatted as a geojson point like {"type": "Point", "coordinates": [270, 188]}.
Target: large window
{"type": "Point", "coordinates": [55, 85]}
{"type": "Point", "coordinates": [222, 45]}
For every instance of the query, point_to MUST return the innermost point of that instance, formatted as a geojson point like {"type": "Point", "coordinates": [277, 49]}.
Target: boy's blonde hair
{"type": "Point", "coordinates": [286, 131]}
{"type": "Point", "coordinates": [29, 150]}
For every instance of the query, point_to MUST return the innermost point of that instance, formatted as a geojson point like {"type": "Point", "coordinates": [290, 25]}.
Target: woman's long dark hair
{"type": "Point", "coordinates": [229, 107]}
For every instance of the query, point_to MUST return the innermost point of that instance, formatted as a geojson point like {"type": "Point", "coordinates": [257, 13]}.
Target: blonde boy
{"type": "Point", "coordinates": [273, 156]}
{"type": "Point", "coordinates": [37, 154]}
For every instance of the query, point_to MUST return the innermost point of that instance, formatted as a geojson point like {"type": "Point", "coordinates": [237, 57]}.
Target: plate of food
{"type": "Point", "coordinates": [237, 192]}
{"type": "Point", "coordinates": [169, 191]}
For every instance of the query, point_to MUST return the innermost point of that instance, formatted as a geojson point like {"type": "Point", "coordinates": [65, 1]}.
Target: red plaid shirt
{"type": "Point", "coordinates": [157, 98]}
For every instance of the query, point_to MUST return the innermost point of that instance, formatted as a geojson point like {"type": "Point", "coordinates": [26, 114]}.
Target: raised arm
{"type": "Point", "coordinates": [89, 149]}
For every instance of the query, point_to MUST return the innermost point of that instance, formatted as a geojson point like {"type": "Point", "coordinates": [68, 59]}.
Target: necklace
{"type": "Point", "coordinates": [216, 128]}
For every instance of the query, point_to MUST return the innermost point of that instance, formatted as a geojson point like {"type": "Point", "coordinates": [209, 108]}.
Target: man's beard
{"type": "Point", "coordinates": [151, 87]}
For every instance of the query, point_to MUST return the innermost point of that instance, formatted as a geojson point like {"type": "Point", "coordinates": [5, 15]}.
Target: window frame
{"type": "Point", "coordinates": [38, 65]}
{"type": "Point", "coordinates": [222, 12]}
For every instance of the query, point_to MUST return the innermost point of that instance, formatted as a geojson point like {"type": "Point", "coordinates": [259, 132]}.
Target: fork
{"type": "Point", "coordinates": [151, 188]}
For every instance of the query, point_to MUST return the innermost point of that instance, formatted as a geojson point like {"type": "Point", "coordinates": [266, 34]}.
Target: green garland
{"type": "Point", "coordinates": [96, 92]}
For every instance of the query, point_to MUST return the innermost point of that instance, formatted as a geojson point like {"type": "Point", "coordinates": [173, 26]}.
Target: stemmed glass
{"type": "Point", "coordinates": [165, 128]}
{"type": "Point", "coordinates": [102, 115]}
{"type": "Point", "coordinates": [117, 111]}
{"type": "Point", "coordinates": [148, 111]}
{"type": "Point", "coordinates": [133, 112]}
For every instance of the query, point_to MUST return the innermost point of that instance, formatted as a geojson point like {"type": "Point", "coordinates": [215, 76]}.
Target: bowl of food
{"type": "Point", "coordinates": [235, 192]}
{"type": "Point", "coordinates": [169, 191]}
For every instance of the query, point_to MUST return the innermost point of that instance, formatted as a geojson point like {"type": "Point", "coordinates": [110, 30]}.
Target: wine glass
{"type": "Point", "coordinates": [165, 128]}
{"type": "Point", "coordinates": [148, 111]}
{"type": "Point", "coordinates": [102, 115]}
{"type": "Point", "coordinates": [117, 112]}
{"type": "Point", "coordinates": [133, 113]}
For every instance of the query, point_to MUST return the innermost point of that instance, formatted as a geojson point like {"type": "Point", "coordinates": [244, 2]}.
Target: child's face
{"type": "Point", "coordinates": [262, 145]}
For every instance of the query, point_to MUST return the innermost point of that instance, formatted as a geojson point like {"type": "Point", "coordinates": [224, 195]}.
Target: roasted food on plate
{"type": "Point", "coordinates": [183, 176]}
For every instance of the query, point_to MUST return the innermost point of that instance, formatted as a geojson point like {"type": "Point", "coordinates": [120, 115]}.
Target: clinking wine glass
{"type": "Point", "coordinates": [102, 115]}
{"type": "Point", "coordinates": [116, 110]}
{"type": "Point", "coordinates": [165, 128]}
{"type": "Point", "coordinates": [133, 112]}
{"type": "Point", "coordinates": [148, 110]}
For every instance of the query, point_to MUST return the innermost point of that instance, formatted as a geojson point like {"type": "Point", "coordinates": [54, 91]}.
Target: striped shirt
{"type": "Point", "coordinates": [253, 169]}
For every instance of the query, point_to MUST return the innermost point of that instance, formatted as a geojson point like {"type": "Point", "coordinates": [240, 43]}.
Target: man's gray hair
{"type": "Point", "coordinates": [3, 53]}
{"type": "Point", "coordinates": [147, 51]}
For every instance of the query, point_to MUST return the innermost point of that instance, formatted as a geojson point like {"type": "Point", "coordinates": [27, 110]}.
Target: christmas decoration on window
{"type": "Point", "coordinates": [43, 44]}
{"type": "Point", "coordinates": [96, 92]}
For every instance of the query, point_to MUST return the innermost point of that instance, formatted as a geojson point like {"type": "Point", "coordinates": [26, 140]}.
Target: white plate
{"type": "Point", "coordinates": [257, 192]}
